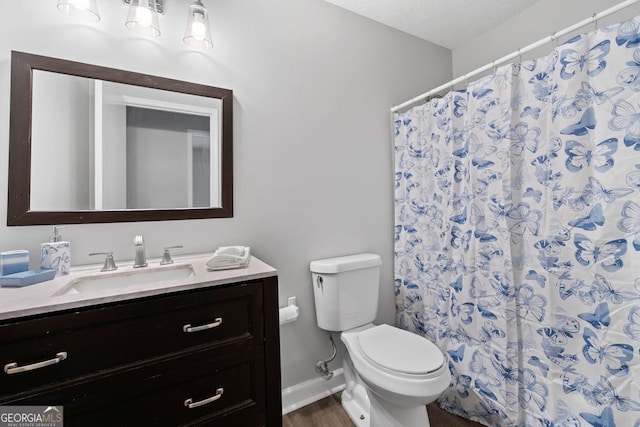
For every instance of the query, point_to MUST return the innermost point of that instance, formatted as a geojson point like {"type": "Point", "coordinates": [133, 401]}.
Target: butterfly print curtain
{"type": "Point", "coordinates": [517, 235]}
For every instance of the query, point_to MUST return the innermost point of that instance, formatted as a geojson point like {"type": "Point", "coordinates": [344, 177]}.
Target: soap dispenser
{"type": "Point", "coordinates": [56, 254]}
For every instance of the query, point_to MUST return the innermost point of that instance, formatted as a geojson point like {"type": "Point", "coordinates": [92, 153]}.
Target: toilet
{"type": "Point", "coordinates": [390, 374]}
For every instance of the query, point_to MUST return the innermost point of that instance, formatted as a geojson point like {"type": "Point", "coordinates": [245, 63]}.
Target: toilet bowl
{"type": "Point", "coordinates": [390, 374]}
{"type": "Point", "coordinates": [401, 373]}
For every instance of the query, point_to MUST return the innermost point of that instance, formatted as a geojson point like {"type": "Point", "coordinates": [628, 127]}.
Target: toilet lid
{"type": "Point", "coordinates": [399, 350]}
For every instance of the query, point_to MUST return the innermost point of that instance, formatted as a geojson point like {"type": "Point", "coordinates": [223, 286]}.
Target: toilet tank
{"type": "Point", "coordinates": [346, 290]}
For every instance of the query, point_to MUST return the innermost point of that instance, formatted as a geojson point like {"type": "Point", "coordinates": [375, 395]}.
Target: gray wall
{"type": "Point", "coordinates": [156, 168]}
{"type": "Point", "coordinates": [60, 143]}
{"type": "Point", "coordinates": [312, 85]}
{"type": "Point", "coordinates": [114, 148]}
{"type": "Point", "coordinates": [540, 20]}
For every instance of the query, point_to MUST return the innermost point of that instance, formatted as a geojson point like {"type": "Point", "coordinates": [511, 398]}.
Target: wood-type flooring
{"type": "Point", "coordinates": [328, 412]}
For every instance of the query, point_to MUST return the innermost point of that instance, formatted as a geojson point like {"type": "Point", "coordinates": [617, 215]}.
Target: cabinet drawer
{"type": "Point", "coordinates": [229, 384]}
{"type": "Point", "coordinates": [109, 336]}
{"type": "Point", "coordinates": [219, 388]}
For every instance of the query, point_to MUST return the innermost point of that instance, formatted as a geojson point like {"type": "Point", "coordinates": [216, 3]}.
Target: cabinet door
{"type": "Point", "coordinates": [116, 335]}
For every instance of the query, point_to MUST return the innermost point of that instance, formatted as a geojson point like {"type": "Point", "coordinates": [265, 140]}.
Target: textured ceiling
{"type": "Point", "coordinates": [448, 23]}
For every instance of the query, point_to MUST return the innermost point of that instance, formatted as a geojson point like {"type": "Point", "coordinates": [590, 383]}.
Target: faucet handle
{"type": "Point", "coordinates": [109, 263]}
{"type": "Point", "coordinates": [166, 256]}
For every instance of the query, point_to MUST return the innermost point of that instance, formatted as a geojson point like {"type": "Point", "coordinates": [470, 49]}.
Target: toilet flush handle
{"type": "Point", "coordinates": [319, 282]}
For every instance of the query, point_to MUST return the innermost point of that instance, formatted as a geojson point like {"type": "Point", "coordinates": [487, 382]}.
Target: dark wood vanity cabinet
{"type": "Point", "coordinates": [208, 356]}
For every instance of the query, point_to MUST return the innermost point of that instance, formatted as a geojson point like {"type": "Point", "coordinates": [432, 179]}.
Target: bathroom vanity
{"type": "Point", "coordinates": [195, 350]}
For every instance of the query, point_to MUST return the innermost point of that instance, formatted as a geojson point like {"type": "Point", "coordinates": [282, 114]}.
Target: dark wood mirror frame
{"type": "Point", "coordinates": [18, 209]}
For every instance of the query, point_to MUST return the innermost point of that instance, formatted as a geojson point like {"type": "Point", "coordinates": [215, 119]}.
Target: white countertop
{"type": "Point", "coordinates": [40, 297]}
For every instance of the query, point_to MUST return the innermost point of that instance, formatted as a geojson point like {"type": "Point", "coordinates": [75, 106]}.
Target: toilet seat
{"type": "Point", "coordinates": [400, 352]}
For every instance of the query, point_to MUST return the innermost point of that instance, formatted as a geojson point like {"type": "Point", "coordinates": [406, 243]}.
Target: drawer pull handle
{"type": "Point", "coordinates": [215, 324]}
{"type": "Point", "coordinates": [189, 403]}
{"type": "Point", "coordinates": [13, 368]}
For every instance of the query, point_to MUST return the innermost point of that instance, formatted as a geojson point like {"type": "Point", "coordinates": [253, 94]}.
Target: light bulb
{"type": "Point", "coordinates": [198, 34]}
{"type": "Point", "coordinates": [198, 30]}
{"type": "Point", "coordinates": [85, 9]}
{"type": "Point", "coordinates": [143, 16]}
{"type": "Point", "coordinates": [81, 4]}
{"type": "Point", "coordinates": [143, 20]}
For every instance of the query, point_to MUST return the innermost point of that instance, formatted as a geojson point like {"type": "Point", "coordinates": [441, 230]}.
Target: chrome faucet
{"type": "Point", "coordinates": [109, 263]}
{"type": "Point", "coordinates": [166, 256]}
{"type": "Point", "coordinates": [141, 258]}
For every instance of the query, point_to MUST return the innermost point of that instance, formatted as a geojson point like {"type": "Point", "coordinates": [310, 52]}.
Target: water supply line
{"type": "Point", "coordinates": [321, 366]}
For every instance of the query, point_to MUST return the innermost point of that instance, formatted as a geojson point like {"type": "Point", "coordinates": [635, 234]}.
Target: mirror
{"type": "Point", "coordinates": [93, 144]}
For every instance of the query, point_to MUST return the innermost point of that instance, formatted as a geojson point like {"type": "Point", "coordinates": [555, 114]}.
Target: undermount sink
{"type": "Point", "coordinates": [123, 279]}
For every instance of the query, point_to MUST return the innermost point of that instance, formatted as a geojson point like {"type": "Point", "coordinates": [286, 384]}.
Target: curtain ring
{"type": "Point", "coordinates": [595, 22]}
{"type": "Point", "coordinates": [495, 67]}
{"type": "Point", "coordinates": [519, 55]}
{"type": "Point", "coordinates": [554, 39]}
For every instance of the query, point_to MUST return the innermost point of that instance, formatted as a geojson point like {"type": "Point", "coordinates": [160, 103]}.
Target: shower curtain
{"type": "Point", "coordinates": [517, 235]}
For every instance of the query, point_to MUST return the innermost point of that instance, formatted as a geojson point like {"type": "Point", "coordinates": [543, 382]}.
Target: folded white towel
{"type": "Point", "coordinates": [228, 257]}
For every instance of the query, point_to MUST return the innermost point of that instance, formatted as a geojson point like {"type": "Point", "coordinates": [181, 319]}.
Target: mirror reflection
{"type": "Point", "coordinates": [96, 144]}
{"type": "Point", "coordinates": [99, 145]}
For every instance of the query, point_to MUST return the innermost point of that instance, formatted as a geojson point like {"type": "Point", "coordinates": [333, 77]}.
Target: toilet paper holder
{"type": "Point", "coordinates": [289, 313]}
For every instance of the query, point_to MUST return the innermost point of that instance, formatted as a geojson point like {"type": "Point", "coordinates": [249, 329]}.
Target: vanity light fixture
{"type": "Point", "coordinates": [143, 17]}
{"type": "Point", "coordinates": [85, 9]}
{"type": "Point", "coordinates": [198, 33]}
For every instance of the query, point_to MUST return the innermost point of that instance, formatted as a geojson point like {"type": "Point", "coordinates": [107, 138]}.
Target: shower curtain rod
{"type": "Point", "coordinates": [517, 53]}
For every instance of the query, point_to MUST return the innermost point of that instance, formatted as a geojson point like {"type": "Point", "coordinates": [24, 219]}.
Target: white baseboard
{"type": "Point", "coordinates": [307, 392]}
